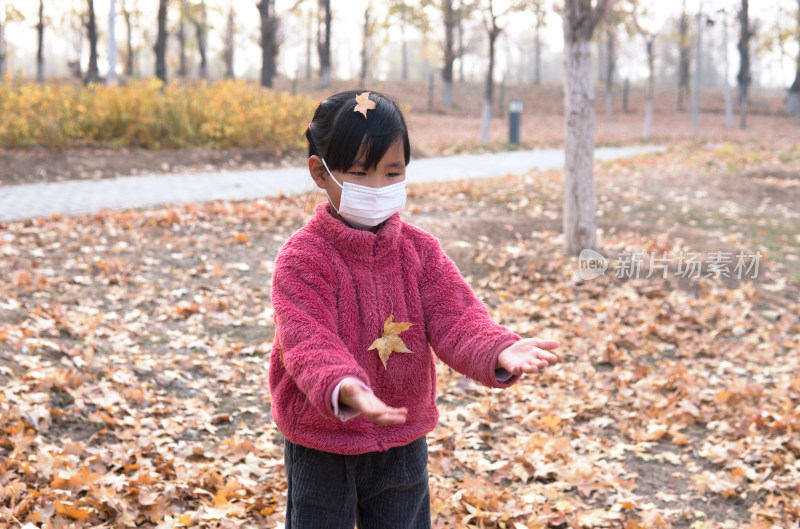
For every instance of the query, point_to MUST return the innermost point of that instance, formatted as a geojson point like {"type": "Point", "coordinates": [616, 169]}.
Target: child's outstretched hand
{"type": "Point", "coordinates": [366, 403]}
{"type": "Point", "coordinates": [527, 356]}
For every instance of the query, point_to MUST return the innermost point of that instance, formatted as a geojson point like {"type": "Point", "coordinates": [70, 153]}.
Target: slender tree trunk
{"type": "Point", "coordinates": [229, 44]}
{"type": "Point", "coordinates": [161, 42]}
{"type": "Point", "coordinates": [683, 61]}
{"type": "Point", "coordinates": [201, 29]}
{"type": "Point", "coordinates": [92, 75]}
{"type": "Point", "coordinates": [308, 47]}
{"type": "Point", "coordinates": [112, 43]}
{"type": "Point", "coordinates": [611, 62]}
{"type": "Point", "coordinates": [126, 15]}
{"type": "Point", "coordinates": [727, 84]}
{"type": "Point", "coordinates": [404, 72]}
{"type": "Point", "coordinates": [651, 83]}
{"type": "Point", "coordinates": [794, 90]}
{"type": "Point", "coordinates": [2, 49]}
{"type": "Point", "coordinates": [537, 48]}
{"type": "Point", "coordinates": [324, 43]}
{"type": "Point", "coordinates": [698, 73]}
{"type": "Point", "coordinates": [365, 45]}
{"type": "Point", "coordinates": [744, 65]}
{"type": "Point", "coordinates": [580, 222]}
{"type": "Point", "coordinates": [488, 93]}
{"type": "Point", "coordinates": [40, 45]}
{"type": "Point", "coordinates": [461, 51]}
{"type": "Point", "coordinates": [183, 68]}
{"type": "Point", "coordinates": [449, 54]}
{"type": "Point", "coordinates": [268, 22]}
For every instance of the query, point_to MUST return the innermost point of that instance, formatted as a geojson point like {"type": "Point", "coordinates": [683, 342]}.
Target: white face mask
{"type": "Point", "coordinates": [365, 207]}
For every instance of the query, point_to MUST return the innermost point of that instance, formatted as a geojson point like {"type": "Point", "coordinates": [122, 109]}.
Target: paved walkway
{"type": "Point", "coordinates": [89, 196]}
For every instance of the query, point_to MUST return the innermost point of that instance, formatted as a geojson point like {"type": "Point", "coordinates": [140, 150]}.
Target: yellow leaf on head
{"type": "Point", "coordinates": [363, 103]}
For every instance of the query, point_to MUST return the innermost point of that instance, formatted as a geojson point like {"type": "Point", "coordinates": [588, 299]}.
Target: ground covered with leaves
{"type": "Point", "coordinates": [134, 349]}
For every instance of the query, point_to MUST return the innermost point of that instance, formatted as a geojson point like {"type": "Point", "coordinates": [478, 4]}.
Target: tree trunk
{"type": "Point", "coordinates": [183, 68]}
{"type": "Point", "coordinates": [460, 52]}
{"type": "Point", "coordinates": [651, 83]}
{"type": "Point", "coordinates": [404, 71]}
{"type": "Point", "coordinates": [488, 92]}
{"type": "Point", "coordinates": [449, 53]}
{"type": "Point", "coordinates": [683, 61]}
{"type": "Point", "coordinates": [2, 49]}
{"type": "Point", "coordinates": [365, 45]}
{"type": "Point", "coordinates": [40, 45]}
{"type": "Point", "coordinates": [580, 223]}
{"type": "Point", "coordinates": [92, 75]}
{"type": "Point", "coordinates": [161, 42]}
{"type": "Point", "coordinates": [229, 44]}
{"type": "Point", "coordinates": [744, 64]}
{"type": "Point", "coordinates": [698, 74]}
{"type": "Point", "coordinates": [201, 29]}
{"type": "Point", "coordinates": [794, 90]}
{"type": "Point", "coordinates": [112, 43]}
{"type": "Point", "coordinates": [126, 15]}
{"type": "Point", "coordinates": [537, 47]}
{"type": "Point", "coordinates": [308, 48]}
{"type": "Point", "coordinates": [611, 60]}
{"type": "Point", "coordinates": [324, 43]}
{"type": "Point", "coordinates": [268, 23]}
{"type": "Point", "coordinates": [727, 84]}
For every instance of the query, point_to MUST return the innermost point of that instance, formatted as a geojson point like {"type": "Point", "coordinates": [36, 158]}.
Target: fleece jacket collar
{"type": "Point", "coordinates": [360, 244]}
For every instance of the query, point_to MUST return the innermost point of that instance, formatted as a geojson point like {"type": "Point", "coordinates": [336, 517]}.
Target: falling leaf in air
{"type": "Point", "coordinates": [390, 341]}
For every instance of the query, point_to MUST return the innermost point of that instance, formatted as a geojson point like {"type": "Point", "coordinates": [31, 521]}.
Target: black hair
{"type": "Point", "coordinates": [338, 133]}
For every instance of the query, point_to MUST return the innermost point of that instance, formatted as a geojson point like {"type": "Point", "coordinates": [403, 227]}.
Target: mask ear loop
{"type": "Point", "coordinates": [334, 179]}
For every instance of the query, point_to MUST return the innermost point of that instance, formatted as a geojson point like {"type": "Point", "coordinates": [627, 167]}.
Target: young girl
{"type": "Point", "coordinates": [362, 302]}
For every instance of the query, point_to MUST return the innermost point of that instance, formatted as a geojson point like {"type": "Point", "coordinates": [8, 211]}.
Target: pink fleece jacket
{"type": "Point", "coordinates": [332, 289]}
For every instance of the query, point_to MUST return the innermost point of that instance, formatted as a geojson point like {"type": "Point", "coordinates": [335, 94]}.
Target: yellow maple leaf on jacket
{"type": "Point", "coordinates": [390, 341]}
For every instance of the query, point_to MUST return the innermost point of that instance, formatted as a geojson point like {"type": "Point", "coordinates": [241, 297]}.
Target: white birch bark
{"type": "Point", "coordinates": [580, 222]}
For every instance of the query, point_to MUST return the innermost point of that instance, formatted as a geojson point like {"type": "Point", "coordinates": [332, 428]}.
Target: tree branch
{"type": "Point", "coordinates": [598, 12]}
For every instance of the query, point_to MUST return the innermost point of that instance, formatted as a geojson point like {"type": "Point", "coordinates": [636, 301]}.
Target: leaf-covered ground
{"type": "Point", "coordinates": [134, 349]}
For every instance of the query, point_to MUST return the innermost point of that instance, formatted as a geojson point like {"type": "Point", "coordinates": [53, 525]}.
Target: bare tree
{"type": "Point", "coordinates": [492, 31]}
{"type": "Point", "coordinates": [684, 54]}
{"type": "Point", "coordinates": [228, 52]}
{"type": "Point", "coordinates": [183, 67]}
{"type": "Point", "coordinates": [744, 64]}
{"type": "Point", "coordinates": [408, 13]}
{"type": "Point", "coordinates": [199, 18]}
{"type": "Point", "coordinates": [368, 28]}
{"type": "Point", "coordinates": [324, 42]}
{"type": "Point", "coordinates": [128, 15]}
{"type": "Point", "coordinates": [40, 44]}
{"type": "Point", "coordinates": [649, 37]}
{"type": "Point", "coordinates": [112, 43]}
{"type": "Point", "coordinates": [540, 13]}
{"type": "Point", "coordinates": [161, 42]}
{"type": "Point", "coordinates": [92, 74]}
{"type": "Point", "coordinates": [794, 90]}
{"type": "Point", "coordinates": [449, 53]}
{"type": "Point", "coordinates": [580, 215]}
{"type": "Point", "coordinates": [269, 24]}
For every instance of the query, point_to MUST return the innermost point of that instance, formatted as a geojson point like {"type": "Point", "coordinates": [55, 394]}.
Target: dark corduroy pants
{"type": "Point", "coordinates": [386, 490]}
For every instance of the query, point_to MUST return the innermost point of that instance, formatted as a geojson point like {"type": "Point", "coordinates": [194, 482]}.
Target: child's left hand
{"type": "Point", "coordinates": [527, 356]}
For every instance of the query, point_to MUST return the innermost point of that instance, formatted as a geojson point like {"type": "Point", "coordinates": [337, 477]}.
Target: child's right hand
{"type": "Point", "coordinates": [364, 402]}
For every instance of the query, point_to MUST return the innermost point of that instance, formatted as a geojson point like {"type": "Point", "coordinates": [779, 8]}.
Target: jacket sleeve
{"type": "Point", "coordinates": [304, 304]}
{"type": "Point", "coordinates": [459, 327]}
